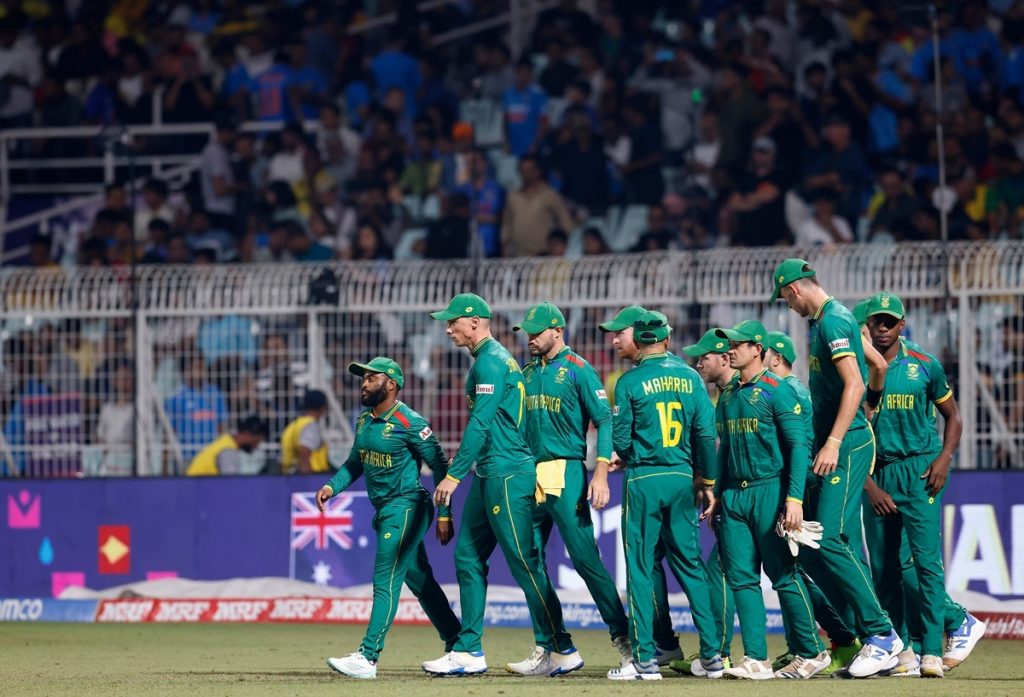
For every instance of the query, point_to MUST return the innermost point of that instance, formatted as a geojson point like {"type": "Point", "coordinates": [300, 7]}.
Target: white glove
{"type": "Point", "coordinates": [808, 535]}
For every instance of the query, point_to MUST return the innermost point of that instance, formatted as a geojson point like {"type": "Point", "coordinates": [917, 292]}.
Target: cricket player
{"type": "Point", "coordinates": [712, 357]}
{"type": "Point", "coordinates": [905, 491]}
{"type": "Point", "coordinates": [391, 441]}
{"type": "Point", "coordinates": [845, 452]}
{"type": "Point", "coordinates": [499, 505]}
{"type": "Point", "coordinates": [666, 641]}
{"type": "Point", "coordinates": [780, 355]}
{"type": "Point", "coordinates": [564, 395]}
{"type": "Point", "coordinates": [663, 432]}
{"type": "Point", "coordinates": [764, 456]}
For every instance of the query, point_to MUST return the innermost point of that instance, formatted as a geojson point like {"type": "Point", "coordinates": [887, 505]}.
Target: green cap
{"type": "Point", "coordinates": [860, 312]}
{"type": "Point", "coordinates": [464, 305]}
{"type": "Point", "coordinates": [709, 343]}
{"type": "Point", "coordinates": [541, 317]}
{"type": "Point", "coordinates": [788, 271]}
{"type": "Point", "coordinates": [747, 330]}
{"type": "Point", "coordinates": [623, 320]}
{"type": "Point", "coordinates": [651, 327]}
{"type": "Point", "coordinates": [781, 344]}
{"type": "Point", "coordinates": [380, 364]}
{"type": "Point", "coordinates": [885, 304]}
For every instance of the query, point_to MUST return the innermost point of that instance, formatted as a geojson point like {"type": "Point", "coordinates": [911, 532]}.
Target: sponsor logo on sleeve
{"type": "Point", "coordinates": [615, 411]}
{"type": "Point", "coordinates": [601, 394]}
{"type": "Point", "coordinates": [485, 389]}
{"type": "Point", "coordinates": [426, 433]}
{"type": "Point", "coordinates": [839, 344]}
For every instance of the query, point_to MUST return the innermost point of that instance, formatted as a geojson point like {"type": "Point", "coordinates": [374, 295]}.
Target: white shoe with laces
{"type": "Point", "coordinates": [355, 665]}
{"type": "Point", "coordinates": [752, 669]}
{"type": "Point", "coordinates": [931, 667]}
{"type": "Point", "coordinates": [801, 668]}
{"type": "Point", "coordinates": [625, 649]}
{"type": "Point", "coordinates": [960, 643]}
{"type": "Point", "coordinates": [457, 663]}
{"type": "Point", "coordinates": [547, 664]}
{"type": "Point", "coordinates": [636, 671]}
{"type": "Point", "coordinates": [666, 656]}
{"type": "Point", "coordinates": [879, 653]}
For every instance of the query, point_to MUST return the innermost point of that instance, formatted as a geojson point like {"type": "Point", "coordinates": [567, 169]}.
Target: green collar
{"type": "Point", "coordinates": [476, 349]}
{"type": "Point", "coordinates": [542, 361]}
{"type": "Point", "coordinates": [389, 413]}
{"type": "Point", "coordinates": [817, 315]}
{"type": "Point", "coordinates": [752, 380]}
{"type": "Point", "coordinates": [651, 356]}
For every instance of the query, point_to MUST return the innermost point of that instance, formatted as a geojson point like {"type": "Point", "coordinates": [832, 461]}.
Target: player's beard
{"type": "Point", "coordinates": [374, 397]}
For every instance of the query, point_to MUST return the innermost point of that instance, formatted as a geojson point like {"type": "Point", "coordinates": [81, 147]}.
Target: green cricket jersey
{"type": "Point", "coordinates": [834, 334]}
{"type": "Point", "coordinates": [803, 395]}
{"type": "Point", "coordinates": [663, 416]}
{"type": "Point", "coordinates": [495, 436]}
{"type": "Point", "coordinates": [388, 450]}
{"type": "Point", "coordinates": [563, 396]}
{"type": "Point", "coordinates": [757, 422]}
{"type": "Point", "coordinates": [905, 420]}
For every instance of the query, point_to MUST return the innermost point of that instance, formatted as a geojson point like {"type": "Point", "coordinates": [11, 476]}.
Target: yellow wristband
{"type": "Point", "coordinates": [451, 478]}
{"type": "Point", "coordinates": [794, 500]}
{"type": "Point", "coordinates": [443, 519]}
{"type": "Point", "coordinates": [708, 482]}
{"type": "Point", "coordinates": [832, 439]}
{"type": "Point", "coordinates": [604, 460]}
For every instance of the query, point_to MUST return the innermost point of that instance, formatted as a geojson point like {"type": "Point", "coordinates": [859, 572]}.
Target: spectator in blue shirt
{"type": "Point", "coordinates": [394, 68]}
{"type": "Point", "coordinates": [975, 49]}
{"type": "Point", "coordinates": [302, 245]}
{"type": "Point", "coordinates": [235, 87]}
{"type": "Point", "coordinates": [271, 88]}
{"type": "Point", "coordinates": [197, 411]}
{"type": "Point", "coordinates": [524, 103]}
{"type": "Point", "coordinates": [306, 86]}
{"type": "Point", "coordinates": [486, 202]}
{"type": "Point", "coordinates": [25, 363]}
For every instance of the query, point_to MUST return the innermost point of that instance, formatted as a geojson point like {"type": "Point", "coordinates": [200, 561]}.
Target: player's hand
{"type": "Point", "coordinates": [936, 475]}
{"type": "Point", "coordinates": [443, 492]}
{"type": "Point", "coordinates": [881, 502]}
{"type": "Point", "coordinates": [710, 504]}
{"type": "Point", "coordinates": [323, 496]}
{"type": "Point", "coordinates": [444, 531]}
{"type": "Point", "coordinates": [616, 464]}
{"type": "Point", "coordinates": [793, 518]}
{"type": "Point", "coordinates": [598, 493]}
{"type": "Point", "coordinates": [826, 461]}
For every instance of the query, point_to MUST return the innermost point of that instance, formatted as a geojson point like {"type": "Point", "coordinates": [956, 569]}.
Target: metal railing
{"type": "Point", "coordinates": [248, 338]}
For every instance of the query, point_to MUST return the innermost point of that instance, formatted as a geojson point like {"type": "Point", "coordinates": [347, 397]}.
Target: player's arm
{"type": "Point", "coordinates": [702, 446]}
{"type": "Point", "coordinates": [793, 436]}
{"type": "Point", "coordinates": [941, 395]}
{"type": "Point", "coordinates": [489, 376]}
{"type": "Point", "coordinates": [310, 441]}
{"type": "Point", "coordinates": [877, 369]}
{"type": "Point", "coordinates": [428, 449]}
{"type": "Point", "coordinates": [595, 400]}
{"type": "Point", "coordinates": [849, 402]}
{"type": "Point", "coordinates": [349, 471]}
{"type": "Point", "coordinates": [622, 422]}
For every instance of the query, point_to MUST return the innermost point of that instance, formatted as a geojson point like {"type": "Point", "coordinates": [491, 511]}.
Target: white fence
{"type": "Point", "coordinates": [210, 345]}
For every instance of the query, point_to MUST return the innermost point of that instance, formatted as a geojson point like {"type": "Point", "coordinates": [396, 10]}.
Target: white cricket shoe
{"type": "Point", "coordinates": [666, 656]}
{"type": "Point", "coordinates": [880, 652]}
{"type": "Point", "coordinates": [752, 669]}
{"type": "Point", "coordinates": [931, 667]}
{"type": "Point", "coordinates": [960, 643]}
{"type": "Point", "coordinates": [801, 668]}
{"type": "Point", "coordinates": [547, 664]}
{"type": "Point", "coordinates": [636, 671]}
{"type": "Point", "coordinates": [908, 665]}
{"type": "Point", "coordinates": [355, 665]}
{"type": "Point", "coordinates": [625, 649]}
{"type": "Point", "coordinates": [457, 663]}
{"type": "Point", "coordinates": [712, 668]}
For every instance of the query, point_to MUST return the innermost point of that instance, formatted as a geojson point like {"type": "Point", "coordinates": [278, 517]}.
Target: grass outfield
{"type": "Point", "coordinates": [259, 659]}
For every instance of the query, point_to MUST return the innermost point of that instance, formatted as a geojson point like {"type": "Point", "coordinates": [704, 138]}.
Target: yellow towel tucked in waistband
{"type": "Point", "coordinates": [550, 479]}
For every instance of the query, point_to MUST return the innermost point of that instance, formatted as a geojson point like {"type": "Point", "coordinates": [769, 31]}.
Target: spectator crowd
{"type": "Point", "coordinates": [626, 126]}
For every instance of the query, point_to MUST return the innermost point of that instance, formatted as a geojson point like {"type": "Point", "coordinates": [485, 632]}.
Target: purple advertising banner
{"type": "Point", "coordinates": [101, 533]}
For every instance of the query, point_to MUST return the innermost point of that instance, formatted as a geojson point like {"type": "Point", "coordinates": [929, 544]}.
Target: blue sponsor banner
{"type": "Point", "coordinates": [219, 528]}
{"type": "Point", "coordinates": [47, 610]}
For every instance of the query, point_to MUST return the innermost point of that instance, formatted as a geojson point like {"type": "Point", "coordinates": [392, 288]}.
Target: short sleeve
{"type": "Point", "coordinates": [839, 335]}
{"type": "Point", "coordinates": [310, 436]}
{"type": "Point", "coordinates": [938, 384]}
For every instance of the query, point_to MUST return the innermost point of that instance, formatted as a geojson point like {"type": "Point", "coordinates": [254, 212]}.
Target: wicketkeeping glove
{"type": "Point", "coordinates": [808, 535]}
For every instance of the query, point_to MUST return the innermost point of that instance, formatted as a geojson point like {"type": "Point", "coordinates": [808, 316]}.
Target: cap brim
{"type": "Point", "coordinates": [443, 315]}
{"type": "Point", "coordinates": [731, 335]}
{"type": "Point", "coordinates": [775, 294]}
{"type": "Point", "coordinates": [613, 326]}
{"type": "Point", "coordinates": [531, 327]}
{"type": "Point", "coordinates": [694, 351]}
{"type": "Point", "coordinates": [360, 369]}
{"type": "Point", "coordinates": [885, 312]}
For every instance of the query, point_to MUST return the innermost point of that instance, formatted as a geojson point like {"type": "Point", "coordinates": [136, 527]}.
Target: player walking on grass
{"type": "Point", "coordinates": [764, 456]}
{"type": "Point", "coordinates": [712, 357]}
{"type": "Point", "coordinates": [499, 505]}
{"type": "Point", "coordinates": [666, 641]}
{"type": "Point", "coordinates": [780, 355]}
{"type": "Point", "coordinates": [391, 441]}
{"type": "Point", "coordinates": [564, 395]}
{"type": "Point", "coordinates": [663, 432]}
{"type": "Point", "coordinates": [845, 453]}
{"type": "Point", "coordinates": [905, 491]}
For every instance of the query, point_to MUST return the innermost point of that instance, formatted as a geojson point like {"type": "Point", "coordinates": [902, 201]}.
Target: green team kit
{"type": "Point", "coordinates": [527, 436]}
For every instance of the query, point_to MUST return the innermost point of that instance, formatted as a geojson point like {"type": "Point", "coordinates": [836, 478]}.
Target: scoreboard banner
{"type": "Point", "coordinates": [101, 533]}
